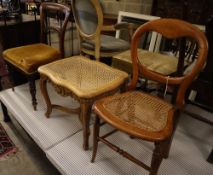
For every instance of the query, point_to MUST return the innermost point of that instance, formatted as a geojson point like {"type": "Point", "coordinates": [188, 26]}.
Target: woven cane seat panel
{"type": "Point", "coordinates": [84, 77]}
{"type": "Point", "coordinates": [164, 64]}
{"type": "Point", "coordinates": [28, 58]}
{"type": "Point", "coordinates": [140, 110]}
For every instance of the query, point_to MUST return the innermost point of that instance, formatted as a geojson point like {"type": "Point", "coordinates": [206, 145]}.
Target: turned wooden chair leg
{"type": "Point", "coordinates": [85, 117]}
{"type": "Point", "coordinates": [32, 87]}
{"type": "Point", "coordinates": [95, 137]}
{"type": "Point", "coordinates": [157, 158]}
{"type": "Point", "coordinates": [43, 87]}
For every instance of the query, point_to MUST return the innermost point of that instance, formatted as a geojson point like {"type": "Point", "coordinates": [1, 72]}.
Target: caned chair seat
{"type": "Point", "coordinates": [70, 73]}
{"type": "Point", "coordinates": [84, 80]}
{"type": "Point", "coordinates": [141, 111]}
{"type": "Point", "coordinates": [161, 63]}
{"type": "Point", "coordinates": [28, 58]}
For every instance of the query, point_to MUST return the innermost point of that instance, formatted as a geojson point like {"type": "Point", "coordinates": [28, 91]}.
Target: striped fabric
{"type": "Point", "coordinates": [60, 137]}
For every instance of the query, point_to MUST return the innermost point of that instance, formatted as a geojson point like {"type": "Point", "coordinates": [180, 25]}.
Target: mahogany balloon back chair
{"type": "Point", "coordinates": [146, 116]}
{"type": "Point", "coordinates": [28, 58]}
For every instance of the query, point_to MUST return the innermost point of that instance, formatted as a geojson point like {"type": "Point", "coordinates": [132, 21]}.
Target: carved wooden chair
{"type": "Point", "coordinates": [145, 116]}
{"type": "Point", "coordinates": [84, 80]}
{"type": "Point", "coordinates": [29, 57]}
{"type": "Point", "coordinates": [88, 17]}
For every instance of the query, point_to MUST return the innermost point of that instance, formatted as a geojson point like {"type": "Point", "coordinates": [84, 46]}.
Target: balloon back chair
{"type": "Point", "coordinates": [146, 116]}
{"type": "Point", "coordinates": [88, 17]}
{"type": "Point", "coordinates": [29, 57]}
{"type": "Point", "coordinates": [158, 54]}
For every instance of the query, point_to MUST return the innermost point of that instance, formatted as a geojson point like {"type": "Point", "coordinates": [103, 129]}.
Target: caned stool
{"type": "Point", "coordinates": [84, 80]}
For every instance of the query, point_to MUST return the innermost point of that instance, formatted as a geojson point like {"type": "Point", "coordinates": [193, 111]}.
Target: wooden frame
{"type": "Point", "coordinates": [127, 121]}
{"type": "Point", "coordinates": [66, 87]}
{"type": "Point", "coordinates": [45, 8]}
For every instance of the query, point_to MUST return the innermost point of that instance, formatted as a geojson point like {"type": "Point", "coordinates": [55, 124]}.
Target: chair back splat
{"type": "Point", "coordinates": [148, 116]}
{"type": "Point", "coordinates": [62, 14]}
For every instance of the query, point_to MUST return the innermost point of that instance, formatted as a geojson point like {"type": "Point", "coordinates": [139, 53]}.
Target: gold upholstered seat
{"type": "Point", "coordinates": [146, 116]}
{"type": "Point", "coordinates": [29, 57]}
{"type": "Point", "coordinates": [161, 63]}
{"type": "Point", "coordinates": [83, 79]}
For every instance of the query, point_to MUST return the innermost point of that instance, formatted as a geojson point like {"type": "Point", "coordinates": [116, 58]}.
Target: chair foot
{"type": "Point", "coordinates": [34, 106]}
{"type": "Point", "coordinates": [95, 137]}
{"type": "Point", "coordinates": [86, 147]}
{"type": "Point", "coordinates": [47, 114]}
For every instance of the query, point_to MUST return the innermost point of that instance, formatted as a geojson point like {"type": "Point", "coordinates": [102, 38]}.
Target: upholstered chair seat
{"type": "Point", "coordinates": [28, 58]}
{"type": "Point", "coordinates": [161, 63]}
{"type": "Point", "coordinates": [83, 79]}
{"type": "Point", "coordinates": [107, 44]}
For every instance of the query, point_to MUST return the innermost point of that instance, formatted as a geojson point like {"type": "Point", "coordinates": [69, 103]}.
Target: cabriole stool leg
{"type": "Point", "coordinates": [43, 87]}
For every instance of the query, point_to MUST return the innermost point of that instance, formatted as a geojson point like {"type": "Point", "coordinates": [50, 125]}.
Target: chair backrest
{"type": "Point", "coordinates": [88, 16]}
{"type": "Point", "coordinates": [61, 13]}
{"type": "Point", "coordinates": [170, 29]}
